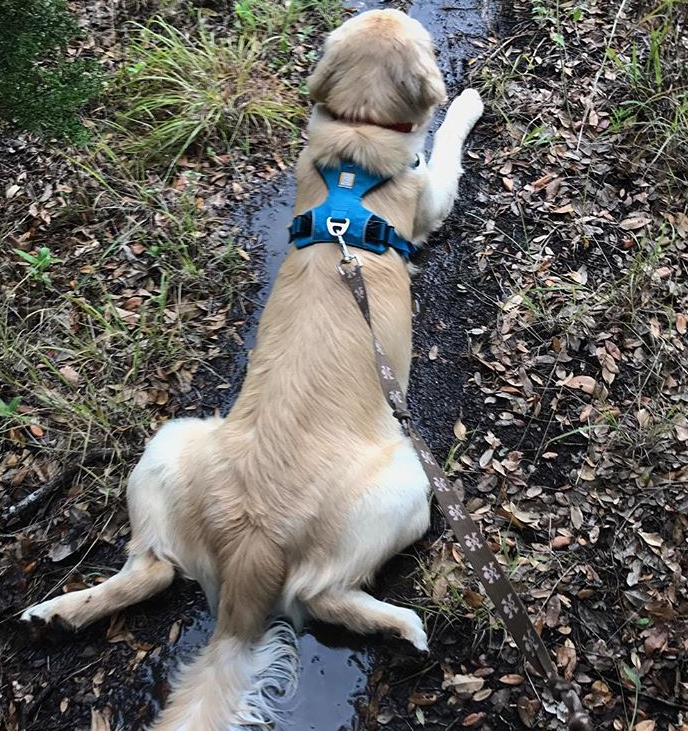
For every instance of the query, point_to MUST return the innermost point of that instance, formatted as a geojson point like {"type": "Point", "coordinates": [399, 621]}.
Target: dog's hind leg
{"type": "Point", "coordinates": [444, 168]}
{"type": "Point", "coordinates": [155, 494]}
{"type": "Point", "coordinates": [389, 515]}
{"type": "Point", "coordinates": [360, 612]}
{"type": "Point", "coordinates": [142, 576]}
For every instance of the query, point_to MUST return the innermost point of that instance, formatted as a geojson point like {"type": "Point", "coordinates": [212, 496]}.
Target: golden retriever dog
{"type": "Point", "coordinates": [290, 504]}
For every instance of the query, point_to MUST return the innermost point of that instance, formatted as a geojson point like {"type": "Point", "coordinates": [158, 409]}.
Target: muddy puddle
{"type": "Point", "coordinates": [332, 675]}
{"type": "Point", "coordinates": [335, 666]}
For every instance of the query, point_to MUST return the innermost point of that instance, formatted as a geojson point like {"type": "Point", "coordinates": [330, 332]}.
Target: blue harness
{"type": "Point", "coordinates": [343, 218]}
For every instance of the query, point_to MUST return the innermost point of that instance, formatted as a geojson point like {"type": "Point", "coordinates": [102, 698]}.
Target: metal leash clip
{"type": "Point", "coordinates": [337, 229]}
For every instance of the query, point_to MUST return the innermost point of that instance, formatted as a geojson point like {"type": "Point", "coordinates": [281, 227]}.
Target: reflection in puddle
{"type": "Point", "coordinates": [329, 681]}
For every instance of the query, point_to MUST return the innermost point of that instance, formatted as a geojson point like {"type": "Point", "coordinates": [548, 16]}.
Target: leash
{"type": "Point", "coordinates": [475, 548]}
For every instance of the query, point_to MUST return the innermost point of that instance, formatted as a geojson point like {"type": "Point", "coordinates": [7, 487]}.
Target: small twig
{"type": "Point", "coordinates": [28, 504]}
{"type": "Point", "coordinates": [647, 696]}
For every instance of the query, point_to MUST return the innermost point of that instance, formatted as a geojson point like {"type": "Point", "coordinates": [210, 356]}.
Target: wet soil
{"type": "Point", "coordinates": [346, 682]}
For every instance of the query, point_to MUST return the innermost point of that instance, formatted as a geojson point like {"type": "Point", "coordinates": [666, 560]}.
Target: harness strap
{"type": "Point", "coordinates": [379, 235]}
{"type": "Point", "coordinates": [475, 548]}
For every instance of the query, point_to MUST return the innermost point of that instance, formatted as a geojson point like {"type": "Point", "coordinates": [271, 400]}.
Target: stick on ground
{"type": "Point", "coordinates": [27, 505]}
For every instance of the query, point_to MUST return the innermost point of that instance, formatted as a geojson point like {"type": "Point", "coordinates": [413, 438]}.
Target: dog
{"type": "Point", "coordinates": [292, 502]}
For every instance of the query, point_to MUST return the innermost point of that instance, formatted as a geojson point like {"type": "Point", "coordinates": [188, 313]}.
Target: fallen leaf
{"type": "Point", "coordinates": [11, 191]}
{"type": "Point", "coordinates": [463, 684]}
{"type": "Point", "coordinates": [657, 639]}
{"type": "Point", "coordinates": [587, 384]}
{"type": "Point", "coordinates": [423, 699]}
{"type": "Point", "coordinates": [482, 695]}
{"type": "Point", "coordinates": [460, 430]}
{"type": "Point", "coordinates": [175, 630]}
{"type": "Point", "coordinates": [512, 679]}
{"type": "Point", "coordinates": [632, 223]}
{"type": "Point", "coordinates": [560, 542]}
{"type": "Point", "coordinates": [473, 599]}
{"type": "Point", "coordinates": [473, 719]}
{"type": "Point", "coordinates": [542, 182]}
{"type": "Point", "coordinates": [527, 710]}
{"type": "Point", "coordinates": [652, 539]}
{"type": "Point", "coordinates": [486, 458]}
{"type": "Point", "coordinates": [132, 303]}
{"type": "Point", "coordinates": [567, 660]}
{"type": "Point", "coordinates": [70, 375]}
{"type": "Point", "coordinates": [62, 550]}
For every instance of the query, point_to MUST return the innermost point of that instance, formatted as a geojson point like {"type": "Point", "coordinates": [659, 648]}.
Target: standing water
{"type": "Point", "coordinates": [334, 674]}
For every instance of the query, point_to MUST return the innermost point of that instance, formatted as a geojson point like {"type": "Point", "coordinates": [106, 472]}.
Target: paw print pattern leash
{"type": "Point", "coordinates": [475, 548]}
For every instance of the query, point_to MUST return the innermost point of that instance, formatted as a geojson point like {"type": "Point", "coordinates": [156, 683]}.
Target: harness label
{"type": "Point", "coordinates": [346, 180]}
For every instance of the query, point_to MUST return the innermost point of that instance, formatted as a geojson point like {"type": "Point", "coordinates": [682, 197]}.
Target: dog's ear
{"type": "Point", "coordinates": [322, 79]}
{"type": "Point", "coordinates": [421, 77]}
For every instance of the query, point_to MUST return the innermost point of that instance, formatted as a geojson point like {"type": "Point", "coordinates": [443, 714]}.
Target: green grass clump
{"type": "Point", "coordinates": [41, 89]}
{"type": "Point", "coordinates": [651, 101]}
{"type": "Point", "coordinates": [285, 21]}
{"type": "Point", "coordinates": [183, 91]}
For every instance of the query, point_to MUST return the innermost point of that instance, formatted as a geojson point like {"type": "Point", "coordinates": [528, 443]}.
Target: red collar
{"type": "Point", "coordinates": [405, 127]}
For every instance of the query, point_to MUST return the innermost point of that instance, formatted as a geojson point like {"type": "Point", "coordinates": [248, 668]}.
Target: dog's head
{"type": "Point", "coordinates": [379, 66]}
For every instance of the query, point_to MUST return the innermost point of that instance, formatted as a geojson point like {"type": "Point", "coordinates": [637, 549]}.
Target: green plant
{"type": "Point", "coordinates": [632, 675]}
{"type": "Point", "coordinates": [180, 91]}
{"type": "Point", "coordinates": [41, 89]}
{"type": "Point", "coordinates": [10, 409]}
{"type": "Point", "coordinates": [39, 263]}
{"type": "Point", "coordinates": [283, 20]}
{"type": "Point", "coordinates": [652, 98]}
{"type": "Point", "coordinates": [538, 136]}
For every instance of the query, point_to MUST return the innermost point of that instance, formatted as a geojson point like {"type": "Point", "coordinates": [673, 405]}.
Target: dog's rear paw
{"type": "Point", "coordinates": [43, 618]}
{"type": "Point", "coordinates": [415, 633]}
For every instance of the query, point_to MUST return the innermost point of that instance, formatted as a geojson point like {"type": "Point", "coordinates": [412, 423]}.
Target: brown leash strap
{"type": "Point", "coordinates": [475, 548]}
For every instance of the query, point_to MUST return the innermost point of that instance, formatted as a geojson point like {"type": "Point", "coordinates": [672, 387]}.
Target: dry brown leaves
{"type": "Point", "coordinates": [579, 478]}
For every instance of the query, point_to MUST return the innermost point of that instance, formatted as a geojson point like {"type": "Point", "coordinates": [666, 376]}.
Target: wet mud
{"type": "Point", "coordinates": [346, 682]}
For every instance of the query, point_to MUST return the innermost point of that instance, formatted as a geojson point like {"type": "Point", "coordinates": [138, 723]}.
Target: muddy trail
{"type": "Point", "coordinates": [346, 682]}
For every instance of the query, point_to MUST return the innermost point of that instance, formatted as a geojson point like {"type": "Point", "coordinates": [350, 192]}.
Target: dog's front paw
{"type": "Point", "coordinates": [468, 106]}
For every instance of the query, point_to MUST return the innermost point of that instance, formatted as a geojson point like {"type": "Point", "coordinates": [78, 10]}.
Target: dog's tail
{"type": "Point", "coordinates": [241, 675]}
